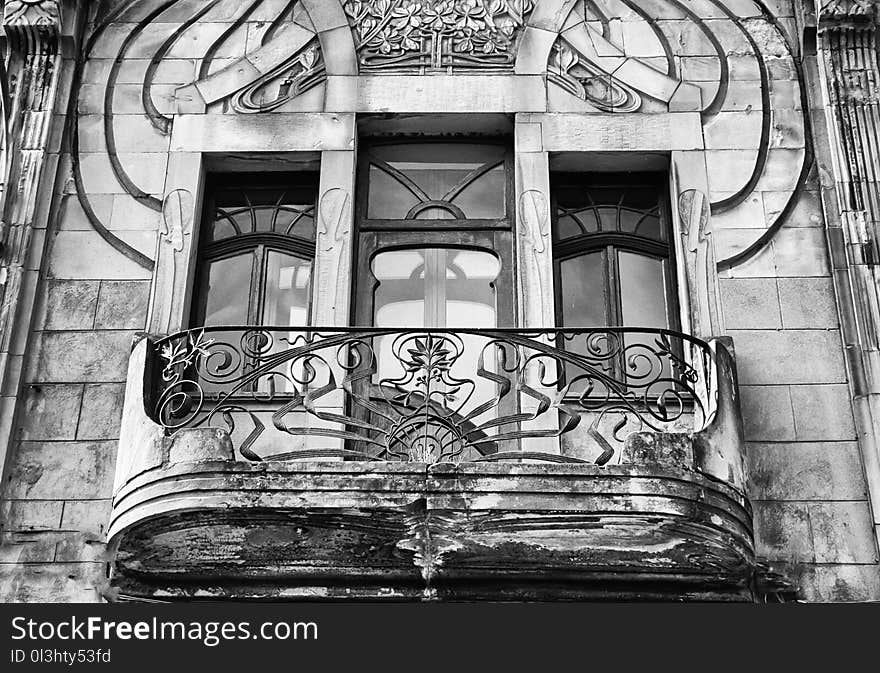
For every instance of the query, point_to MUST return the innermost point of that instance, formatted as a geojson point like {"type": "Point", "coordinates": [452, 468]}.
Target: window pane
{"type": "Point", "coordinates": [484, 197]}
{"type": "Point", "coordinates": [226, 290]}
{"type": "Point", "coordinates": [288, 290]}
{"type": "Point", "coordinates": [260, 208]}
{"type": "Point", "coordinates": [435, 287]}
{"type": "Point", "coordinates": [389, 198]}
{"type": "Point", "coordinates": [583, 291]}
{"type": "Point", "coordinates": [617, 203]}
{"type": "Point", "coordinates": [642, 290]}
{"type": "Point", "coordinates": [440, 172]}
{"type": "Point", "coordinates": [643, 298]}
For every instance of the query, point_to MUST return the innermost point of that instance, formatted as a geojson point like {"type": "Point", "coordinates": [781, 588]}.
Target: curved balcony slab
{"type": "Point", "coordinates": [191, 519]}
{"type": "Point", "coordinates": [409, 530]}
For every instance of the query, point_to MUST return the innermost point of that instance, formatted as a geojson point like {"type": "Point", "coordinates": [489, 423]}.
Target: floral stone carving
{"type": "Point", "coordinates": [450, 35]}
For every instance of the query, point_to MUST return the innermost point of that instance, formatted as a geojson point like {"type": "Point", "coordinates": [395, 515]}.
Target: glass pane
{"type": "Point", "coordinates": [437, 287]}
{"type": "Point", "coordinates": [607, 218]}
{"type": "Point", "coordinates": [290, 221]}
{"type": "Point", "coordinates": [226, 290]}
{"type": "Point", "coordinates": [434, 213]}
{"type": "Point", "coordinates": [643, 300]}
{"type": "Point", "coordinates": [288, 290]}
{"type": "Point", "coordinates": [583, 291]}
{"type": "Point", "coordinates": [224, 227]}
{"type": "Point", "coordinates": [263, 209]}
{"type": "Point", "coordinates": [440, 172]}
{"type": "Point", "coordinates": [285, 304]}
{"type": "Point", "coordinates": [629, 208]}
{"type": "Point", "coordinates": [484, 197]}
{"type": "Point", "coordinates": [389, 199]}
{"type": "Point", "coordinates": [649, 227]}
{"type": "Point", "coordinates": [567, 227]}
{"type": "Point", "coordinates": [642, 290]}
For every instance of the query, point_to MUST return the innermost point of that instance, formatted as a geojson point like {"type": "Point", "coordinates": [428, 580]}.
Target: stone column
{"type": "Point", "coordinates": [534, 268]}
{"type": "Point", "coordinates": [331, 292]}
{"type": "Point", "coordinates": [694, 247]}
{"type": "Point", "coordinates": [27, 173]}
{"type": "Point", "coordinates": [850, 80]}
{"type": "Point", "coordinates": [177, 244]}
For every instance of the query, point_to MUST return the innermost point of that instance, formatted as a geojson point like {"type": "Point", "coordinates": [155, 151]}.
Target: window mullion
{"type": "Point", "coordinates": [255, 305]}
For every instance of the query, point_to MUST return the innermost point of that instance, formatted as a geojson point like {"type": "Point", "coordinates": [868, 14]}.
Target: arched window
{"type": "Point", "coordinates": [613, 251]}
{"type": "Point", "coordinates": [256, 250]}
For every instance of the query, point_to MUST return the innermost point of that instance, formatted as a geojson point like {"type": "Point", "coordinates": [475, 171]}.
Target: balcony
{"type": "Point", "coordinates": [431, 464]}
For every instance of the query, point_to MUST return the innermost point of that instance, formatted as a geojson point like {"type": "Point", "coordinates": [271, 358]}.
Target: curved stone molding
{"type": "Point", "coordinates": [284, 62]}
{"type": "Point", "coordinates": [590, 61]}
{"type": "Point", "coordinates": [309, 42]}
{"type": "Point", "coordinates": [418, 532]}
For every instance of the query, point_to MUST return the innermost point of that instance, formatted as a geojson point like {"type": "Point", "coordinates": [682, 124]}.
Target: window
{"type": "Point", "coordinates": [256, 249]}
{"type": "Point", "coordinates": [434, 236]}
{"type": "Point", "coordinates": [613, 251]}
{"type": "Point", "coordinates": [436, 181]}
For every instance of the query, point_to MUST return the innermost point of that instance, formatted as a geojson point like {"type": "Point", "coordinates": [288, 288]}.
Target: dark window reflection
{"type": "Point", "coordinates": [436, 181]}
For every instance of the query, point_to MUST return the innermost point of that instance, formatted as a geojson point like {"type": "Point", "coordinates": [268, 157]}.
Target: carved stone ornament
{"type": "Point", "coordinates": [297, 75]}
{"type": "Point", "coordinates": [28, 15]}
{"type": "Point", "coordinates": [420, 35]}
{"type": "Point", "coordinates": [847, 8]}
{"type": "Point", "coordinates": [573, 72]}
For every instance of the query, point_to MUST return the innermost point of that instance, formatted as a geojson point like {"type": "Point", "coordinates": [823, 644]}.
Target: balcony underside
{"type": "Point", "coordinates": [411, 531]}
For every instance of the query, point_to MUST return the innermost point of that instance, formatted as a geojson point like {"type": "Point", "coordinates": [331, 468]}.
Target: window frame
{"type": "Point", "coordinates": [366, 223]}
{"type": "Point", "coordinates": [257, 243]}
{"type": "Point", "coordinates": [608, 243]}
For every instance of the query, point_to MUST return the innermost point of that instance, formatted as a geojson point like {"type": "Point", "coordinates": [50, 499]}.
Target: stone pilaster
{"type": "Point", "coordinates": [850, 75]}
{"type": "Point", "coordinates": [33, 38]}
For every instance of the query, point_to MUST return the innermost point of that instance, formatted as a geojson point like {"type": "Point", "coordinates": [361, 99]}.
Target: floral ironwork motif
{"type": "Point", "coordinates": [419, 35]}
{"type": "Point", "coordinates": [434, 395]}
{"type": "Point", "coordinates": [575, 74]}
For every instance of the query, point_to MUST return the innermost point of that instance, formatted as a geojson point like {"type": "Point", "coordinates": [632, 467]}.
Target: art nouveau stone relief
{"type": "Point", "coordinates": [737, 66]}
{"type": "Point", "coordinates": [437, 35]}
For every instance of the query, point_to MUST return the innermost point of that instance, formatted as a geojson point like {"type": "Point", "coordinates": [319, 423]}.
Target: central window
{"type": "Point", "coordinates": [434, 235]}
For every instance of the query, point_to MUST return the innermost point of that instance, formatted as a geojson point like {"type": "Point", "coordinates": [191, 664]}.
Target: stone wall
{"type": "Point", "coordinates": [750, 152]}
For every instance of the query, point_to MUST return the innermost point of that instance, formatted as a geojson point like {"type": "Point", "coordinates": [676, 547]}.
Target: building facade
{"type": "Point", "coordinates": [440, 300]}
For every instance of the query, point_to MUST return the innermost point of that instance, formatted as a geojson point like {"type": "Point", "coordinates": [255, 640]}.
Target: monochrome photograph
{"type": "Point", "coordinates": [436, 301]}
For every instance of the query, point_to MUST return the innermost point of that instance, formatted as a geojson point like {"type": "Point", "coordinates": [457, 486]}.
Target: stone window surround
{"type": "Point", "coordinates": [200, 141]}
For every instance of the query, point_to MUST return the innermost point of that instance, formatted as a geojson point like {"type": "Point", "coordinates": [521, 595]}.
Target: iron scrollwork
{"type": "Point", "coordinates": [433, 395]}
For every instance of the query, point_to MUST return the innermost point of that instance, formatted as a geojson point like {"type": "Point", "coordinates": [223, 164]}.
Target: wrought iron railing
{"type": "Point", "coordinates": [433, 395]}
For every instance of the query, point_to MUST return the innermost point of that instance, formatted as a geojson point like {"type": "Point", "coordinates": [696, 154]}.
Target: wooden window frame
{"type": "Point", "coordinates": [381, 224]}
{"type": "Point", "coordinates": [373, 235]}
{"type": "Point", "coordinates": [609, 242]}
{"type": "Point", "coordinates": [260, 243]}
